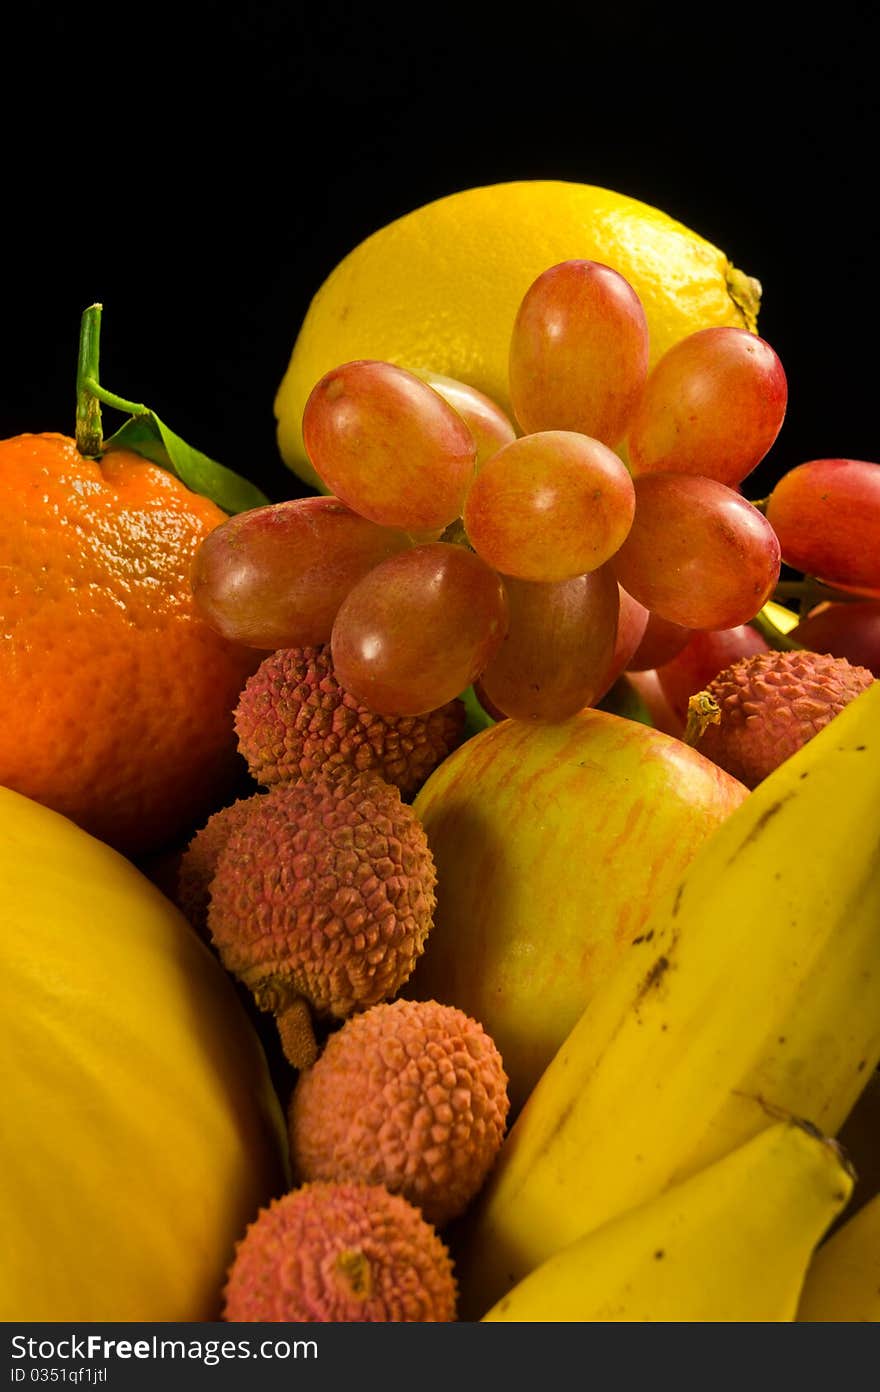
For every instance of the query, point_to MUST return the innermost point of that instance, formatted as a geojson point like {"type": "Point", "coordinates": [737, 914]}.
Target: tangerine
{"type": "Point", "coordinates": [116, 697]}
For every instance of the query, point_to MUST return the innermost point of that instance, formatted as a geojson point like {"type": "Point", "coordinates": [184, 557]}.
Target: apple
{"type": "Point", "coordinates": [552, 842]}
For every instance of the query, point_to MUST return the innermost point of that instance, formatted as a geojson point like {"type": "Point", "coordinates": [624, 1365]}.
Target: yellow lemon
{"type": "Point", "coordinates": [438, 289]}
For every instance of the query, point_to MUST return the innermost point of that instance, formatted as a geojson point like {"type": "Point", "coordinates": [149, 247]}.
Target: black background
{"type": "Point", "coordinates": [201, 172]}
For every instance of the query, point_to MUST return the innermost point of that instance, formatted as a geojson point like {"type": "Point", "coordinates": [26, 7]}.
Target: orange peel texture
{"type": "Point", "coordinates": [117, 697]}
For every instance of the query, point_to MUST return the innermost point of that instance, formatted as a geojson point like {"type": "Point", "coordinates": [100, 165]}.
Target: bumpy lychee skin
{"type": "Point", "coordinates": [771, 704]}
{"type": "Point", "coordinates": [323, 897]}
{"type": "Point", "coordinates": [412, 1095]}
{"type": "Point", "coordinates": [340, 1253]}
{"type": "Point", "coordinates": [293, 720]}
{"type": "Point", "coordinates": [198, 863]}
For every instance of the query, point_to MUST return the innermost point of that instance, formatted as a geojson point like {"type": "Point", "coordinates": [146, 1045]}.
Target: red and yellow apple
{"type": "Point", "coordinates": [552, 842]}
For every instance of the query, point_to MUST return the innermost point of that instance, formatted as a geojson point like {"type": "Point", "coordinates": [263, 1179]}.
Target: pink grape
{"type": "Point", "coordinates": [826, 514]}
{"type": "Point", "coordinates": [713, 405]}
{"type": "Point", "coordinates": [483, 701]}
{"type": "Point", "coordinates": [417, 630]}
{"type": "Point", "coordinates": [578, 352]}
{"type": "Point", "coordinates": [389, 446]}
{"type": "Point", "coordinates": [631, 626]}
{"type": "Point", "coordinates": [698, 553]}
{"type": "Point", "coordinates": [488, 424]}
{"type": "Point", "coordinates": [850, 630]}
{"type": "Point", "coordinates": [632, 621]}
{"type": "Point", "coordinates": [549, 506]}
{"type": "Point", "coordinates": [661, 640]}
{"type": "Point", "coordinates": [647, 687]}
{"type": "Point", "coordinates": [275, 576]}
{"type": "Point", "coordinates": [559, 646]}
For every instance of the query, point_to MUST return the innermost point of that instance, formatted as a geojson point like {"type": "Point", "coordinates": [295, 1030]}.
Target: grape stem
{"type": "Point", "coordinates": [808, 592]}
{"type": "Point", "coordinates": [811, 592]}
{"type": "Point", "coordinates": [455, 535]}
{"type": "Point", "coordinates": [775, 637]}
{"type": "Point", "coordinates": [476, 719]}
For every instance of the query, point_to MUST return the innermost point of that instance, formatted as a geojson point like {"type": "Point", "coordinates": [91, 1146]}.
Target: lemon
{"type": "Point", "coordinates": [438, 289]}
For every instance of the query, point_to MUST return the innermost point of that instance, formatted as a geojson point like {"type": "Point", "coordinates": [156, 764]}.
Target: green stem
{"type": "Point", "coordinates": [144, 434]}
{"type": "Point", "coordinates": [455, 535]}
{"type": "Point", "coordinates": [476, 718]}
{"type": "Point", "coordinates": [775, 637]}
{"type": "Point", "coordinates": [813, 592]}
{"type": "Point", "coordinates": [119, 403]}
{"type": "Point", "coordinates": [89, 392]}
{"type": "Point", "coordinates": [89, 435]}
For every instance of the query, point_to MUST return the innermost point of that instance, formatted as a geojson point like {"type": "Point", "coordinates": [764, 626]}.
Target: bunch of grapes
{"type": "Point", "coordinates": [536, 558]}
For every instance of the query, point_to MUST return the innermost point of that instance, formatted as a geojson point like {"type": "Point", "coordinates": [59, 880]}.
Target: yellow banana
{"type": "Point", "coordinates": [754, 986]}
{"type": "Point", "coordinates": [843, 1279]}
{"type": "Point", "coordinates": [784, 619]}
{"type": "Point", "coordinates": [730, 1244]}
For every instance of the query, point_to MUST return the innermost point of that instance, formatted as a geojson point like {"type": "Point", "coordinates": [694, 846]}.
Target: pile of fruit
{"type": "Point", "coordinates": [446, 567]}
{"type": "Point", "coordinates": [451, 894]}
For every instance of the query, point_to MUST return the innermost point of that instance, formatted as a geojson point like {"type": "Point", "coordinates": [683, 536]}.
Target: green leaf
{"type": "Point", "coordinates": [476, 719]}
{"type": "Point", "coordinates": [146, 435]}
{"type": "Point", "coordinates": [623, 699]}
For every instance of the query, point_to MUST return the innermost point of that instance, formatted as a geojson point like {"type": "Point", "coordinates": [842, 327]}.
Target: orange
{"type": "Point", "coordinates": [116, 698]}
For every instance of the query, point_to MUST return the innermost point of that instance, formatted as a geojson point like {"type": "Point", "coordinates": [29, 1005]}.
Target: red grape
{"type": "Point", "coordinates": [850, 630]}
{"type": "Point", "coordinates": [632, 620]}
{"type": "Point", "coordinates": [559, 645]}
{"type": "Point", "coordinates": [578, 352]}
{"type": "Point", "coordinates": [661, 640]}
{"type": "Point", "coordinates": [663, 717]}
{"type": "Point", "coordinates": [826, 514]}
{"type": "Point", "coordinates": [274, 577]}
{"type": "Point", "coordinates": [712, 405]}
{"type": "Point", "coordinates": [702, 658]}
{"type": "Point", "coordinates": [549, 506]}
{"type": "Point", "coordinates": [417, 630]}
{"type": "Point", "coordinates": [389, 446]}
{"type": "Point", "coordinates": [485, 704]}
{"type": "Point", "coordinates": [698, 553]}
{"type": "Point", "coordinates": [486, 421]}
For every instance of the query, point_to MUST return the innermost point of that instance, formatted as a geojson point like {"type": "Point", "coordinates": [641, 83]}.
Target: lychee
{"type": "Point", "coordinates": [763, 708]}
{"type": "Point", "coordinates": [340, 1253]}
{"type": "Point", "coordinates": [199, 862]}
{"type": "Point", "coordinates": [322, 900]}
{"type": "Point", "coordinates": [412, 1095]}
{"type": "Point", "coordinates": [293, 720]}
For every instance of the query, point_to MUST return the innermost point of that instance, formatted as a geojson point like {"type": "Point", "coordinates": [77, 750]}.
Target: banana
{"type": "Point", "coordinates": [754, 990]}
{"type": "Point", "coordinates": [843, 1279]}
{"type": "Point", "coordinates": [730, 1244]}
{"type": "Point", "coordinates": [784, 619]}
